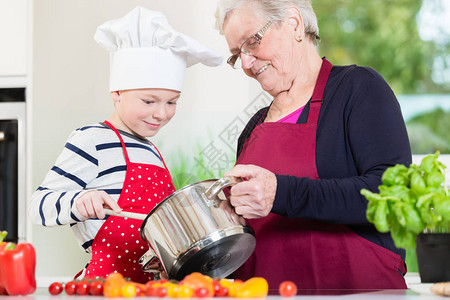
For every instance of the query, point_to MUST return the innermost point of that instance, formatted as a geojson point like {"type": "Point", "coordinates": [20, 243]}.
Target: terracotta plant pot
{"type": "Point", "coordinates": [433, 257]}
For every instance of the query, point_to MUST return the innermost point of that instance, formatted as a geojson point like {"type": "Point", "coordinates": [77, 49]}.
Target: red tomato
{"type": "Point", "coordinates": [55, 288]}
{"type": "Point", "coordinates": [149, 290]}
{"type": "Point", "coordinates": [70, 288]}
{"type": "Point", "coordinates": [201, 292]}
{"type": "Point", "coordinates": [96, 288]}
{"type": "Point", "coordinates": [82, 287]}
{"type": "Point", "coordinates": [219, 290]}
{"type": "Point", "coordinates": [288, 289]}
{"type": "Point", "coordinates": [160, 291]}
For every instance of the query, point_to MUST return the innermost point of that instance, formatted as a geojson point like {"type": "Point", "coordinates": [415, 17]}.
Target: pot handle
{"type": "Point", "coordinates": [150, 262]}
{"type": "Point", "coordinates": [212, 192]}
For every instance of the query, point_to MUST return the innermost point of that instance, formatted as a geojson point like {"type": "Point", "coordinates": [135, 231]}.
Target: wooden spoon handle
{"type": "Point", "coordinates": [126, 214]}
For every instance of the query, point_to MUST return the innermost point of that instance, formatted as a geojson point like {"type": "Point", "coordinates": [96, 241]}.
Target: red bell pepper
{"type": "Point", "coordinates": [17, 268]}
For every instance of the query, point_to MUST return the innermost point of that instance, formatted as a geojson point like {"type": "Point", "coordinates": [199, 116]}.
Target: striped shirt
{"type": "Point", "coordinates": [92, 159]}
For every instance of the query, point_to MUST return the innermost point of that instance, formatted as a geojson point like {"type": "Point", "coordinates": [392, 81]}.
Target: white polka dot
{"type": "Point", "coordinates": [132, 178]}
{"type": "Point", "coordinates": [119, 256]}
{"type": "Point", "coordinates": [137, 241]}
{"type": "Point", "coordinates": [162, 182]}
{"type": "Point", "coordinates": [126, 191]}
{"type": "Point", "coordinates": [139, 167]}
{"type": "Point", "coordinates": [106, 227]}
{"type": "Point", "coordinates": [126, 251]}
{"type": "Point", "coordinates": [103, 240]}
{"type": "Point", "coordinates": [132, 226]}
{"type": "Point", "coordinates": [108, 256]}
{"type": "Point", "coordinates": [139, 176]}
{"type": "Point", "coordinates": [107, 245]}
{"type": "Point", "coordinates": [122, 234]}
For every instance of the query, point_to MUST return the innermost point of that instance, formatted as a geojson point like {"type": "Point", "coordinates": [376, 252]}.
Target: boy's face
{"type": "Point", "coordinates": [143, 112]}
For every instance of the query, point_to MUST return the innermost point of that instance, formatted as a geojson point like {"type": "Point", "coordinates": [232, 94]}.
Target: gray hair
{"type": "Point", "coordinates": [275, 10]}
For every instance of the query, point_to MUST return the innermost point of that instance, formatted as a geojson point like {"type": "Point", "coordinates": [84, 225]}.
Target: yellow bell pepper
{"type": "Point", "coordinates": [256, 287]}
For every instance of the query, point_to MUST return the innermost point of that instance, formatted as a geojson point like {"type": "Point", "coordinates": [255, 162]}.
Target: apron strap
{"type": "Point", "coordinates": [162, 159]}
{"type": "Point", "coordinates": [319, 89]}
{"type": "Point", "coordinates": [125, 153]}
{"type": "Point", "coordinates": [125, 148]}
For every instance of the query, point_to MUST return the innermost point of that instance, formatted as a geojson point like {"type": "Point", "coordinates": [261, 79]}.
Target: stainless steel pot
{"type": "Point", "coordinates": [196, 230]}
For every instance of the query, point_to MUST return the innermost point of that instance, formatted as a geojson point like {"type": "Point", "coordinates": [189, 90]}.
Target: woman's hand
{"type": "Point", "coordinates": [253, 198]}
{"type": "Point", "coordinates": [92, 204]}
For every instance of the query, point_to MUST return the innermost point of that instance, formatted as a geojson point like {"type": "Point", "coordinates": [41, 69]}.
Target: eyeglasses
{"type": "Point", "coordinates": [249, 47]}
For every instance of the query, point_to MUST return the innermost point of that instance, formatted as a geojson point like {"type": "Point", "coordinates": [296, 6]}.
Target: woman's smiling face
{"type": "Point", "coordinates": [272, 64]}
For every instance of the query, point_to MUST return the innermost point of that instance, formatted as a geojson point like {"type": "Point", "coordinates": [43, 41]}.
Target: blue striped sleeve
{"type": "Point", "coordinates": [112, 170]}
{"type": "Point", "coordinates": [71, 205]}
{"type": "Point", "coordinates": [82, 153]}
{"type": "Point", "coordinates": [58, 207]}
{"type": "Point", "coordinates": [70, 176]}
{"type": "Point", "coordinates": [41, 211]}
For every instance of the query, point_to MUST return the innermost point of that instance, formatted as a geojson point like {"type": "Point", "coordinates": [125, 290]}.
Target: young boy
{"type": "Point", "coordinates": [112, 164]}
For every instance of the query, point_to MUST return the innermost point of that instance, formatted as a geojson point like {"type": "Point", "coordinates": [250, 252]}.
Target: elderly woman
{"type": "Point", "coordinates": [329, 132]}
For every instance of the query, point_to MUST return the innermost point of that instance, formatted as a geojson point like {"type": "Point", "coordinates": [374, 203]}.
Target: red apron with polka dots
{"type": "Point", "coordinates": [118, 246]}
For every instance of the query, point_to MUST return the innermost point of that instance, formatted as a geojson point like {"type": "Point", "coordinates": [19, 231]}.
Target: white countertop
{"type": "Point", "coordinates": [417, 291]}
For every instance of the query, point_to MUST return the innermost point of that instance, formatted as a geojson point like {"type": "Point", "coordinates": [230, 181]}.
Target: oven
{"type": "Point", "coordinates": [12, 163]}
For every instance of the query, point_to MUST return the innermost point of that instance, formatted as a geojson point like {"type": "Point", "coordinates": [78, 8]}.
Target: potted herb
{"type": "Point", "coordinates": [413, 204]}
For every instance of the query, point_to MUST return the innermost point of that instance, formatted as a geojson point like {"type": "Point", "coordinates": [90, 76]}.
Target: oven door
{"type": "Point", "coordinates": [12, 170]}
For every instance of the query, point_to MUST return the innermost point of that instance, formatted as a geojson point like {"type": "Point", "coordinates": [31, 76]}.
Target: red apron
{"type": "Point", "coordinates": [118, 246]}
{"type": "Point", "coordinates": [313, 254]}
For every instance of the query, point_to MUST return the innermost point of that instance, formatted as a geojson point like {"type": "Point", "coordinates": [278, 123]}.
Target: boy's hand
{"type": "Point", "coordinates": [92, 204]}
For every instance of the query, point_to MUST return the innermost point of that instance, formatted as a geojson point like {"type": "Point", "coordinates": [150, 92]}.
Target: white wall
{"type": "Point", "coordinates": [71, 89]}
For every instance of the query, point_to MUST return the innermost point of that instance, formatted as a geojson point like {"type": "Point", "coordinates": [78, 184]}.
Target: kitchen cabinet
{"type": "Point", "coordinates": [14, 37]}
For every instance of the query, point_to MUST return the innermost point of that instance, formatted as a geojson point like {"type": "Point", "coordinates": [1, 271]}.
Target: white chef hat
{"type": "Point", "coordinates": [146, 52]}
